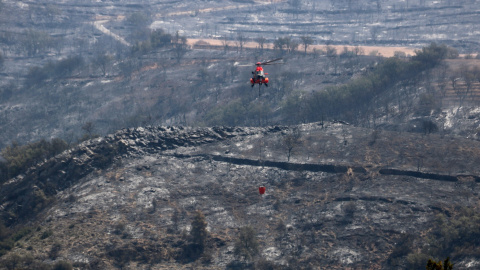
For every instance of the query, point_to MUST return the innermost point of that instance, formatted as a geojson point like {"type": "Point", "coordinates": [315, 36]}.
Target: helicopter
{"type": "Point", "coordinates": [259, 75]}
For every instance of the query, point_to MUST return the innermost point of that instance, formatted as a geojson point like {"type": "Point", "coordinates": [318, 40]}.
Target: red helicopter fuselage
{"type": "Point", "coordinates": [259, 76]}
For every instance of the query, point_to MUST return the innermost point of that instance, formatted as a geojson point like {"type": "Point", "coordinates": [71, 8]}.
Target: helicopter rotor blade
{"type": "Point", "coordinates": [271, 61]}
{"type": "Point", "coordinates": [271, 64]}
{"type": "Point", "coordinates": [237, 64]}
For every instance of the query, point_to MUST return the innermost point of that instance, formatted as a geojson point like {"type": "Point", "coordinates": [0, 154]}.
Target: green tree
{"type": "Point", "coordinates": [246, 246]}
{"type": "Point", "coordinates": [159, 38]}
{"type": "Point", "coordinates": [430, 56]}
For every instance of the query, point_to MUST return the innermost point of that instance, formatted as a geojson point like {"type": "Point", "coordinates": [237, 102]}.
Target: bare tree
{"type": "Point", "coordinates": [179, 46]}
{"type": "Point", "coordinates": [296, 6]}
{"type": "Point", "coordinates": [306, 41]}
{"type": "Point", "coordinates": [285, 44]}
{"type": "Point", "coordinates": [102, 61]}
{"type": "Point", "coordinates": [358, 50]}
{"type": "Point", "coordinates": [333, 56]}
{"type": "Point", "coordinates": [261, 42]}
{"type": "Point", "coordinates": [379, 5]}
{"type": "Point", "coordinates": [453, 80]}
{"type": "Point", "coordinates": [291, 140]}
{"type": "Point", "coordinates": [241, 40]}
{"type": "Point", "coordinates": [279, 44]}
{"type": "Point", "coordinates": [442, 77]}
{"type": "Point", "coordinates": [468, 78]}
{"type": "Point", "coordinates": [2, 60]}
{"type": "Point", "coordinates": [225, 43]}
{"type": "Point", "coordinates": [35, 42]}
{"type": "Point", "coordinates": [292, 46]}
{"type": "Point", "coordinates": [374, 32]}
{"type": "Point", "coordinates": [88, 127]}
{"type": "Point", "coordinates": [350, 4]}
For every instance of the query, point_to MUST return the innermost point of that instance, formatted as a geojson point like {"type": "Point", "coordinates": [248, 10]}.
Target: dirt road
{"type": "Point", "coordinates": [383, 51]}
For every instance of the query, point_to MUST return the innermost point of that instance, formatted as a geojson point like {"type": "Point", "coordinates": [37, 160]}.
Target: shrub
{"type": "Point", "coordinates": [4, 231]}
{"type": "Point", "coordinates": [433, 265]}
{"type": "Point", "coordinates": [21, 233]}
{"type": "Point", "coordinates": [59, 69]}
{"type": "Point", "coordinates": [430, 56]}
{"type": "Point", "coordinates": [401, 250]}
{"type": "Point", "coordinates": [237, 265]}
{"type": "Point", "coordinates": [263, 264]}
{"type": "Point", "coordinates": [6, 246]}
{"type": "Point", "coordinates": [417, 260]}
{"type": "Point", "coordinates": [55, 251]}
{"type": "Point", "coordinates": [349, 210]}
{"type": "Point", "coordinates": [246, 246]}
{"type": "Point", "coordinates": [46, 234]}
{"type": "Point", "coordinates": [18, 158]}
{"type": "Point", "coordinates": [62, 265]}
{"type": "Point", "coordinates": [199, 232]}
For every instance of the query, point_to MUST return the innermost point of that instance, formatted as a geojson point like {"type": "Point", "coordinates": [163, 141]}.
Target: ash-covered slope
{"type": "Point", "coordinates": [337, 201]}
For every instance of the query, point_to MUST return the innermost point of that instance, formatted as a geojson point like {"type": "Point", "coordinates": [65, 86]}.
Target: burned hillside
{"type": "Point", "coordinates": [128, 200]}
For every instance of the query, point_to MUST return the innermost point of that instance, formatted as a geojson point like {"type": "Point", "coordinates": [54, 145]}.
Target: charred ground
{"type": "Point", "coordinates": [124, 200]}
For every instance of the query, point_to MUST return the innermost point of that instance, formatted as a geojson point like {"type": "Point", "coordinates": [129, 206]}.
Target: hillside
{"type": "Point", "coordinates": [116, 64]}
{"type": "Point", "coordinates": [346, 197]}
{"type": "Point", "coordinates": [367, 138]}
